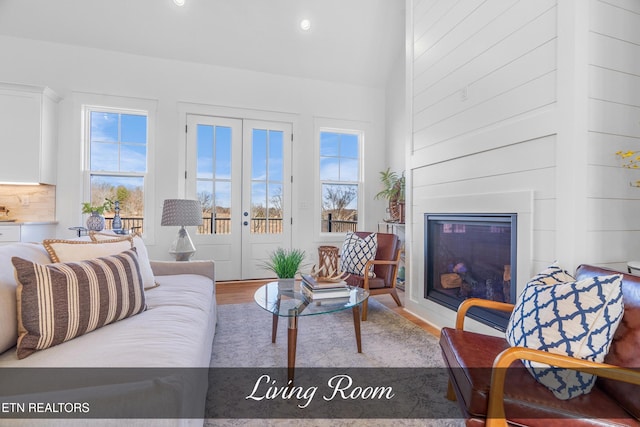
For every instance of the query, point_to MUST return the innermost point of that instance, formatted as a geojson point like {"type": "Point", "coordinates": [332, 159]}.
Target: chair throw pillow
{"type": "Point", "coordinates": [62, 301]}
{"type": "Point", "coordinates": [357, 251]}
{"type": "Point", "coordinates": [557, 314]}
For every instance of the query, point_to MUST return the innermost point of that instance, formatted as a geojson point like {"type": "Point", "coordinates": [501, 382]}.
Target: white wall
{"type": "Point", "coordinates": [498, 97]}
{"type": "Point", "coordinates": [613, 231]}
{"type": "Point", "coordinates": [71, 70]}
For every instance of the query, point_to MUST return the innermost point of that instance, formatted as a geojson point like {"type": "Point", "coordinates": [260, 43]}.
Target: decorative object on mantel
{"type": "Point", "coordinates": [630, 160]}
{"type": "Point", "coordinates": [182, 212]}
{"type": "Point", "coordinates": [95, 221]}
{"type": "Point", "coordinates": [394, 191]}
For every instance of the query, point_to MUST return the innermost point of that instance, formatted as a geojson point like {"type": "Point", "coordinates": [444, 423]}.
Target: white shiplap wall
{"type": "Point", "coordinates": [525, 97]}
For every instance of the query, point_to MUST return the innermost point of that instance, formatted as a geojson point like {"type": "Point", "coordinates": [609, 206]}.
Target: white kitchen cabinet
{"type": "Point", "coordinates": [28, 134]}
{"type": "Point", "coordinates": [27, 232]}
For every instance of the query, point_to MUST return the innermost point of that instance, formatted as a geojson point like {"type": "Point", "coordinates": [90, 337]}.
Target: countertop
{"type": "Point", "coordinates": [18, 222]}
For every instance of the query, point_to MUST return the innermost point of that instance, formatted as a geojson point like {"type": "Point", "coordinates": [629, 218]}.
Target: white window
{"type": "Point", "coordinates": [117, 145]}
{"type": "Point", "coordinates": [339, 179]}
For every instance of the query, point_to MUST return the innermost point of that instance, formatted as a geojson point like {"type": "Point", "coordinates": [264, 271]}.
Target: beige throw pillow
{"type": "Point", "coordinates": [77, 250]}
{"type": "Point", "coordinates": [101, 245]}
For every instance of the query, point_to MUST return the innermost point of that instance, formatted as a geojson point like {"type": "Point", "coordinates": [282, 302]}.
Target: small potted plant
{"type": "Point", "coordinates": [95, 222]}
{"type": "Point", "coordinates": [393, 191]}
{"type": "Point", "coordinates": [285, 263]}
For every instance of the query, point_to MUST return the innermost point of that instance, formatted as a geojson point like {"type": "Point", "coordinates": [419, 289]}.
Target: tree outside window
{"type": "Point", "coordinates": [339, 178]}
{"type": "Point", "coordinates": [118, 143]}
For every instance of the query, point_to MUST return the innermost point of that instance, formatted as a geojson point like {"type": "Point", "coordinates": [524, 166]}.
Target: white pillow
{"type": "Point", "coordinates": [148, 278]}
{"type": "Point", "coordinates": [557, 314]}
{"type": "Point", "coordinates": [357, 251]}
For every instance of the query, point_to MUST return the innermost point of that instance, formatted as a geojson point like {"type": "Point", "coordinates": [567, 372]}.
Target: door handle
{"type": "Point", "coordinates": [245, 222]}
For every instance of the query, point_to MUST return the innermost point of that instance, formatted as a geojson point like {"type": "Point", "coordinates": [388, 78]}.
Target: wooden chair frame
{"type": "Point", "coordinates": [386, 290]}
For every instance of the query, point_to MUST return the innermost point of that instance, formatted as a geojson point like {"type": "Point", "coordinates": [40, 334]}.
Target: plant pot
{"type": "Point", "coordinates": [286, 284]}
{"type": "Point", "coordinates": [95, 222]}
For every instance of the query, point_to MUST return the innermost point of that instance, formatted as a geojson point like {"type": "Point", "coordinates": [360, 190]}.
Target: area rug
{"type": "Point", "coordinates": [243, 340]}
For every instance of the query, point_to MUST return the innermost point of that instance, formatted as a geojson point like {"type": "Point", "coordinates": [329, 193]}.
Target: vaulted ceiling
{"type": "Point", "coordinates": [350, 41]}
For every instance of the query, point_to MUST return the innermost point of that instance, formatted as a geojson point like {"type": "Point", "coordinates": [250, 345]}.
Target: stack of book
{"type": "Point", "coordinates": [315, 290]}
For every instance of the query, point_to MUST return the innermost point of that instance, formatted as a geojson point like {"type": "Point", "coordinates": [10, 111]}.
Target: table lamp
{"type": "Point", "coordinates": [182, 212]}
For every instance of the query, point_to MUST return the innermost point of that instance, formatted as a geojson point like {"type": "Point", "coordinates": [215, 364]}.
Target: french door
{"type": "Point", "coordinates": [240, 170]}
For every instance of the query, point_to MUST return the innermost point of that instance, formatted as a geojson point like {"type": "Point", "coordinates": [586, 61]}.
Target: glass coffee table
{"type": "Point", "coordinates": [285, 299]}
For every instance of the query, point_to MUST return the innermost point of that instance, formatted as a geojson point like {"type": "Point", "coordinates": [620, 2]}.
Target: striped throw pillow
{"type": "Point", "coordinates": [62, 301]}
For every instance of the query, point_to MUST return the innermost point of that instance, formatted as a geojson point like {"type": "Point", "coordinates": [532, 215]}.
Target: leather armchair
{"type": "Point", "coordinates": [385, 266]}
{"type": "Point", "coordinates": [492, 387]}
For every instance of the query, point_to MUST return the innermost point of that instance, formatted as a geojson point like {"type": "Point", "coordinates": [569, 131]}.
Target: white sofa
{"type": "Point", "coordinates": [174, 334]}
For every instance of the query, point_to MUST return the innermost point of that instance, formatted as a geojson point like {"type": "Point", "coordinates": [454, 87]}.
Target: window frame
{"type": "Point", "coordinates": [359, 132]}
{"type": "Point", "coordinates": [121, 105]}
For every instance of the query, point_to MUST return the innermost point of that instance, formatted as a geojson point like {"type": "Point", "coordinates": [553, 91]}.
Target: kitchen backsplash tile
{"type": "Point", "coordinates": [28, 202]}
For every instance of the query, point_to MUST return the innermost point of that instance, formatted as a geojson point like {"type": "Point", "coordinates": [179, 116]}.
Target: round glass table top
{"type": "Point", "coordinates": [286, 298]}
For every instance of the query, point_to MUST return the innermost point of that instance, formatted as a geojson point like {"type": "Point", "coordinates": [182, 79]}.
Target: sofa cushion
{"type": "Point", "coordinates": [143, 256]}
{"type": "Point", "coordinates": [576, 318]}
{"type": "Point", "coordinates": [61, 301]}
{"type": "Point", "coordinates": [8, 315]}
{"type": "Point", "coordinates": [357, 251]}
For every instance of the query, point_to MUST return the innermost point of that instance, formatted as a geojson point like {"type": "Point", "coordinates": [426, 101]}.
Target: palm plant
{"type": "Point", "coordinates": [393, 191]}
{"type": "Point", "coordinates": [285, 263]}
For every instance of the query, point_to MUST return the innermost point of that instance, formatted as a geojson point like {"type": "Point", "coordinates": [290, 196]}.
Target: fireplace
{"type": "Point", "coordinates": [471, 256]}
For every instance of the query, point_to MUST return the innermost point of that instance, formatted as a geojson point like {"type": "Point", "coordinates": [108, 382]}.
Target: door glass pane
{"type": "Point", "coordinates": [205, 151]}
{"type": "Point", "coordinates": [258, 207]}
{"type": "Point", "coordinates": [275, 155]}
{"type": "Point", "coordinates": [214, 178]}
{"type": "Point", "coordinates": [274, 213]}
{"type": "Point", "coordinates": [267, 181]}
{"type": "Point", "coordinates": [204, 190]}
{"type": "Point", "coordinates": [259, 155]}
{"type": "Point", "coordinates": [223, 152]}
{"type": "Point", "coordinates": [222, 223]}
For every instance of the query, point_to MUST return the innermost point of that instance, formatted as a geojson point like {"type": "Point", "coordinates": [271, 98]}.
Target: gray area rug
{"type": "Point", "coordinates": [243, 340]}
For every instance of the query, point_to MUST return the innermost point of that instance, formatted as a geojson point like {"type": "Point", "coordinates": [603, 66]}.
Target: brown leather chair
{"type": "Point", "coordinates": [385, 267]}
{"type": "Point", "coordinates": [493, 388]}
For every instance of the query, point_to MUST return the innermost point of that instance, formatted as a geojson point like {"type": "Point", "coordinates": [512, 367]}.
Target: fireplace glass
{"type": "Point", "coordinates": [471, 256]}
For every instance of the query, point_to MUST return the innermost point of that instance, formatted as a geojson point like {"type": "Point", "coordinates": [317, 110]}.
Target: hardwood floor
{"type": "Point", "coordinates": [239, 292]}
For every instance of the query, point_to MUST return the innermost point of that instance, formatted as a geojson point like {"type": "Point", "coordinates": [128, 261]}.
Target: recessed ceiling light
{"type": "Point", "coordinates": [305, 24]}
{"type": "Point", "coordinates": [179, 2]}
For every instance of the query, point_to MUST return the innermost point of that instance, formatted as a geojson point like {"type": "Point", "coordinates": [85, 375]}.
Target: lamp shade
{"type": "Point", "coordinates": [181, 212]}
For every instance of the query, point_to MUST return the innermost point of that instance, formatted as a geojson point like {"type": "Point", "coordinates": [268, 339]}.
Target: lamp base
{"type": "Point", "coordinates": [182, 248]}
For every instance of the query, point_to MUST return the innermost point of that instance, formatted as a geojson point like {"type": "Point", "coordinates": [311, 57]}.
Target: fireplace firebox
{"type": "Point", "coordinates": [471, 256]}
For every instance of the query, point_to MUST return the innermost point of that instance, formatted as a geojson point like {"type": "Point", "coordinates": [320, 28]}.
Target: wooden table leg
{"type": "Point", "coordinates": [274, 328]}
{"type": "Point", "coordinates": [356, 325]}
{"type": "Point", "coordinates": [292, 338]}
